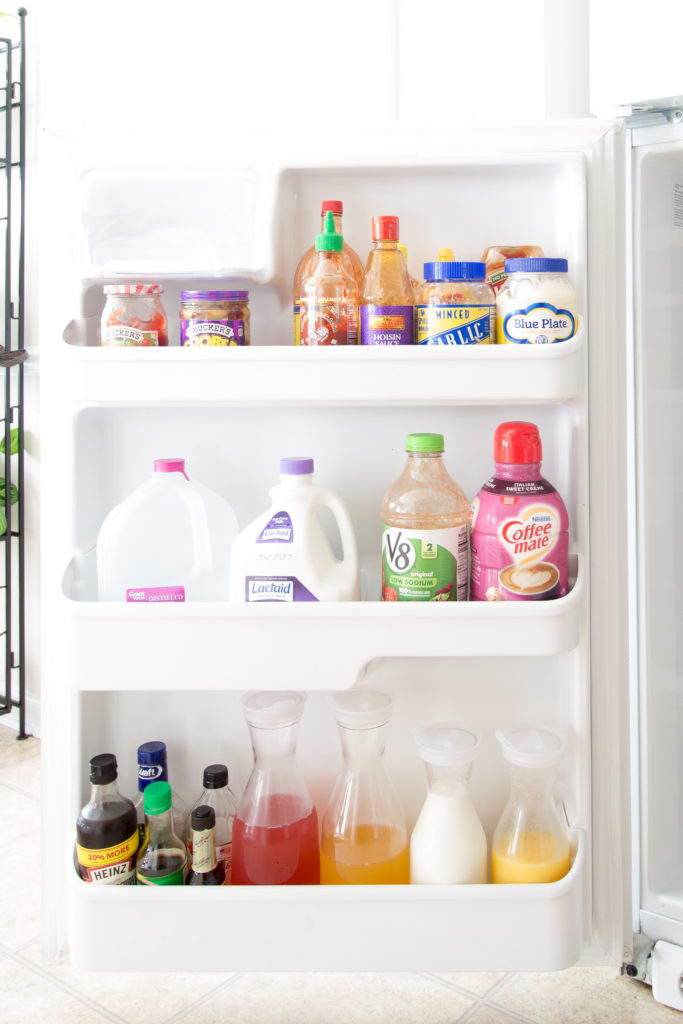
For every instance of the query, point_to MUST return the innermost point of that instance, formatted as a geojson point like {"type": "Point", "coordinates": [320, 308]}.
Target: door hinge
{"type": "Point", "coordinates": [639, 966]}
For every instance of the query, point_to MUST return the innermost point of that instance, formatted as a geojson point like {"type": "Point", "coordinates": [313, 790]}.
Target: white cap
{"type": "Point", "coordinates": [447, 744]}
{"type": "Point", "coordinates": [271, 709]}
{"type": "Point", "coordinates": [531, 746]}
{"type": "Point", "coordinates": [362, 709]}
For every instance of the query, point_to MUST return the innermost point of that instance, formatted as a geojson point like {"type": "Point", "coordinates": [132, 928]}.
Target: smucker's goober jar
{"type": "Point", "coordinates": [455, 305]}
{"type": "Point", "coordinates": [214, 318]}
{"type": "Point", "coordinates": [133, 316]}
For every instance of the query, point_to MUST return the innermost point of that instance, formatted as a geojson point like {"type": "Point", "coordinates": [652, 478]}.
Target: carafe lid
{"type": "Point", "coordinates": [273, 709]}
{"type": "Point", "coordinates": [447, 744]}
{"type": "Point", "coordinates": [362, 709]}
{"type": "Point", "coordinates": [531, 746]}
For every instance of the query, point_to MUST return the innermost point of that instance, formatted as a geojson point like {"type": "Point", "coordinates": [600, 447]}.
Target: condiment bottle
{"type": "Point", "coordinates": [536, 305]}
{"type": "Point", "coordinates": [448, 843]}
{"type": "Point", "coordinates": [218, 795]}
{"type": "Point", "coordinates": [351, 261]}
{"type": "Point", "coordinates": [364, 835]}
{"type": "Point", "coordinates": [424, 518]}
{"type": "Point", "coordinates": [275, 832]}
{"type": "Point", "coordinates": [153, 767]}
{"type": "Point", "coordinates": [386, 295]}
{"type": "Point", "coordinates": [206, 870]}
{"type": "Point", "coordinates": [106, 829]}
{"type": "Point", "coordinates": [163, 858]}
{"type": "Point", "coordinates": [530, 842]}
{"type": "Point", "coordinates": [455, 305]}
{"type": "Point", "coordinates": [134, 316]}
{"type": "Point", "coordinates": [329, 295]}
{"type": "Point", "coordinates": [413, 280]}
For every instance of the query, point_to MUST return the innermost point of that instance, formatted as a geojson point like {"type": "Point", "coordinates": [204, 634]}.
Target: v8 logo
{"type": "Point", "coordinates": [399, 550]}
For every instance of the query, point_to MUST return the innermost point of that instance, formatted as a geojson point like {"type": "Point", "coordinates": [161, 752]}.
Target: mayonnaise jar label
{"type": "Point", "coordinates": [540, 323]}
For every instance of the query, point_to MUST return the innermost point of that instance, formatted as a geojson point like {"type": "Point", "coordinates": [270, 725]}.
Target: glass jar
{"type": "Point", "coordinates": [536, 305]}
{"type": "Point", "coordinates": [133, 316]}
{"type": "Point", "coordinates": [214, 318]}
{"type": "Point", "coordinates": [455, 305]}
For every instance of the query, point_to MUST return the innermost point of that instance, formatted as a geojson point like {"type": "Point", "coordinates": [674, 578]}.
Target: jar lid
{"type": "Point", "coordinates": [384, 228]}
{"type": "Point", "coordinates": [335, 205]}
{"type": "Point", "coordinates": [273, 709]}
{"type": "Point", "coordinates": [157, 798]}
{"type": "Point", "coordinates": [362, 709]}
{"type": "Point", "coordinates": [217, 296]}
{"type": "Point", "coordinates": [424, 443]}
{"type": "Point", "coordinates": [454, 270]}
{"type": "Point", "coordinates": [445, 744]}
{"type": "Point", "coordinates": [296, 465]}
{"type": "Point", "coordinates": [517, 442]}
{"type": "Point", "coordinates": [530, 746]}
{"type": "Point", "coordinates": [133, 289]}
{"type": "Point", "coordinates": [536, 265]}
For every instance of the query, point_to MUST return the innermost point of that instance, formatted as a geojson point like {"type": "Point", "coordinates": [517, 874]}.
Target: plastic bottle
{"type": "Point", "coordinates": [448, 844]}
{"type": "Point", "coordinates": [455, 305]}
{"type": "Point", "coordinates": [290, 539]}
{"type": "Point", "coordinates": [386, 295]}
{"type": "Point", "coordinates": [519, 527]}
{"type": "Point", "coordinates": [351, 261]}
{"type": "Point", "coordinates": [275, 832]}
{"type": "Point", "coordinates": [153, 767]}
{"type": "Point", "coordinates": [218, 795]}
{"type": "Point", "coordinates": [530, 842]}
{"type": "Point", "coordinates": [329, 295]}
{"type": "Point", "coordinates": [424, 519]}
{"type": "Point", "coordinates": [167, 542]}
{"type": "Point", "coordinates": [413, 280]}
{"type": "Point", "coordinates": [206, 869]}
{"type": "Point", "coordinates": [364, 835]}
{"type": "Point", "coordinates": [163, 858]}
{"type": "Point", "coordinates": [106, 829]}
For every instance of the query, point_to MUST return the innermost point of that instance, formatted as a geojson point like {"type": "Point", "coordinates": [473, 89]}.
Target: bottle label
{"type": "Point", "coordinates": [329, 324]}
{"type": "Point", "coordinates": [386, 325]}
{"type": "Point", "coordinates": [118, 334]}
{"type": "Point", "coordinates": [203, 850]}
{"type": "Point", "coordinates": [538, 324]}
{"type": "Point", "coordinates": [276, 588]}
{"type": "Point", "coordinates": [424, 565]}
{"type": "Point", "coordinates": [279, 530]}
{"type": "Point", "coordinates": [165, 595]}
{"type": "Point", "coordinates": [114, 865]}
{"type": "Point", "coordinates": [205, 333]}
{"type": "Point", "coordinates": [151, 773]}
{"type": "Point", "coordinates": [297, 323]}
{"type": "Point", "coordinates": [175, 878]}
{"type": "Point", "coordinates": [454, 325]}
{"type": "Point", "coordinates": [224, 853]}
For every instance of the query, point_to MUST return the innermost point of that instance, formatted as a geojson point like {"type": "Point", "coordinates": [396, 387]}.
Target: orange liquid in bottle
{"type": "Point", "coordinates": [534, 857]}
{"type": "Point", "coordinates": [371, 855]}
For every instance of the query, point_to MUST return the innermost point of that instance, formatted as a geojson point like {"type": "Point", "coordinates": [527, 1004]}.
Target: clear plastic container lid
{"type": "Point", "coordinates": [133, 289]}
{"type": "Point", "coordinates": [362, 709]}
{"type": "Point", "coordinates": [531, 746]}
{"type": "Point", "coordinates": [447, 744]}
{"type": "Point", "coordinates": [273, 709]}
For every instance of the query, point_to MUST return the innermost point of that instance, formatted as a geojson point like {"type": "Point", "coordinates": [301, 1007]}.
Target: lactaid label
{"type": "Point", "coordinates": [454, 325]}
{"type": "Point", "coordinates": [276, 588]}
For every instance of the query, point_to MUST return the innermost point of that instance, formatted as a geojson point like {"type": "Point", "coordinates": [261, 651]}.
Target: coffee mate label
{"type": "Point", "coordinates": [541, 323]}
{"type": "Point", "coordinates": [424, 565]}
{"type": "Point", "coordinates": [454, 325]}
{"type": "Point", "coordinates": [519, 542]}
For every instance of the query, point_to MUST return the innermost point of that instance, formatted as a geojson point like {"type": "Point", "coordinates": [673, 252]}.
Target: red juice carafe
{"type": "Point", "coordinates": [275, 832]}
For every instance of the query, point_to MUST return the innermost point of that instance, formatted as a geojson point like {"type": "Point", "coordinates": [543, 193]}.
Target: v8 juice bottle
{"type": "Point", "coordinates": [519, 527]}
{"type": "Point", "coordinates": [424, 519]}
{"type": "Point", "coordinates": [386, 297]}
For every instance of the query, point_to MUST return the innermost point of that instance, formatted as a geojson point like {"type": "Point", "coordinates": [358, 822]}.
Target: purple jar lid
{"type": "Point", "coordinates": [296, 466]}
{"type": "Point", "coordinates": [213, 296]}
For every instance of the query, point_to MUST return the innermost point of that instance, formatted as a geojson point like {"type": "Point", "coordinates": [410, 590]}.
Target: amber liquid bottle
{"type": "Point", "coordinates": [386, 296]}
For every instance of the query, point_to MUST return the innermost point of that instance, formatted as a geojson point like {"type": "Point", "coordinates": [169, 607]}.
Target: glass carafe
{"type": "Point", "coordinates": [530, 843]}
{"type": "Point", "coordinates": [364, 835]}
{"type": "Point", "coordinates": [275, 831]}
{"type": "Point", "coordinates": [448, 844]}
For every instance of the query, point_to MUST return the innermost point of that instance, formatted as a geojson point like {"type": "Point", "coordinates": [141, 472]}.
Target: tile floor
{"type": "Point", "coordinates": [31, 992]}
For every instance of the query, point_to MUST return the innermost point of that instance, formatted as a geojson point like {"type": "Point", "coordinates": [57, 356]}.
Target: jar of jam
{"type": "Point", "coordinates": [133, 315]}
{"type": "Point", "coordinates": [214, 318]}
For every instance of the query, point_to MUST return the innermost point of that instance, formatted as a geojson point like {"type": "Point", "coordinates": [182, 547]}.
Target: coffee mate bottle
{"type": "Point", "coordinates": [424, 519]}
{"type": "Point", "coordinates": [519, 527]}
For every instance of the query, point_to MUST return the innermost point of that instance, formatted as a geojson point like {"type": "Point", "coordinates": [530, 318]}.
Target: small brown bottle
{"type": "Point", "coordinates": [206, 870]}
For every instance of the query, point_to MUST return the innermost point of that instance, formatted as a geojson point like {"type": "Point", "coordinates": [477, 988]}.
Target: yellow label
{"type": "Point", "coordinates": [297, 325]}
{"type": "Point", "coordinates": [112, 855]}
{"type": "Point", "coordinates": [454, 325]}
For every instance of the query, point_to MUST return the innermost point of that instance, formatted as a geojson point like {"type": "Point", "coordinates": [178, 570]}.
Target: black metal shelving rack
{"type": "Point", "coordinates": [12, 358]}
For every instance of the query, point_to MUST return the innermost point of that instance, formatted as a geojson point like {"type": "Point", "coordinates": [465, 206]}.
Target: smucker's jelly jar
{"type": "Point", "coordinates": [134, 316]}
{"type": "Point", "coordinates": [214, 318]}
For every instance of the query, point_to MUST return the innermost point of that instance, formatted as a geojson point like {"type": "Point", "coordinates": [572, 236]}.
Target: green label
{"type": "Point", "coordinates": [175, 878]}
{"type": "Point", "coordinates": [424, 565]}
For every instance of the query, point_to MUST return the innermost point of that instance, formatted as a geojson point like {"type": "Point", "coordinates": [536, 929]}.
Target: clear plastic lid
{"type": "Point", "coordinates": [362, 709]}
{"type": "Point", "coordinates": [531, 746]}
{"type": "Point", "coordinates": [273, 709]}
{"type": "Point", "coordinates": [447, 744]}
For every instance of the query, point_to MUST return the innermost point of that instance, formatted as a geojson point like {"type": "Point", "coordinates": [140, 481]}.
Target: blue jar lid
{"type": "Point", "coordinates": [151, 763]}
{"type": "Point", "coordinates": [454, 270]}
{"type": "Point", "coordinates": [537, 265]}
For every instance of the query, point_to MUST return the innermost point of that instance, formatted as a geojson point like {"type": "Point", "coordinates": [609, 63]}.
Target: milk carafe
{"type": "Point", "coordinates": [448, 844]}
{"type": "Point", "coordinates": [284, 555]}
{"type": "Point", "coordinates": [167, 542]}
{"type": "Point", "coordinates": [530, 843]}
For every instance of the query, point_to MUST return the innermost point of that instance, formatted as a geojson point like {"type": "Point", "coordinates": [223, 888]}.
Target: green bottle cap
{"type": "Point", "coordinates": [157, 798]}
{"type": "Point", "coordinates": [420, 443]}
{"type": "Point", "coordinates": [329, 240]}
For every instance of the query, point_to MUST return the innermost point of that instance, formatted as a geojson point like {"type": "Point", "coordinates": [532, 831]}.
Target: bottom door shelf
{"type": "Point", "coordinates": [331, 928]}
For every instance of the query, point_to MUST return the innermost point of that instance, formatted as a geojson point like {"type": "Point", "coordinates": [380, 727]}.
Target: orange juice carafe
{"type": "Point", "coordinates": [530, 843]}
{"type": "Point", "coordinates": [364, 835]}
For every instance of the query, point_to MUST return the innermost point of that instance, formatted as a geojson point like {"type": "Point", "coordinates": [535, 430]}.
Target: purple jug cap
{"type": "Point", "coordinates": [296, 466]}
{"type": "Point", "coordinates": [170, 466]}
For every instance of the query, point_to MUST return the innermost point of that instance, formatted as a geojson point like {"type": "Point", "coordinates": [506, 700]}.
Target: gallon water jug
{"type": "Point", "coordinates": [169, 542]}
{"type": "Point", "coordinates": [284, 555]}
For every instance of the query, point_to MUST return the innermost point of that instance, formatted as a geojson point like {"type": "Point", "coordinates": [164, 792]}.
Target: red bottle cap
{"type": "Point", "coordinates": [335, 205]}
{"type": "Point", "coordinates": [384, 227]}
{"type": "Point", "coordinates": [517, 442]}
